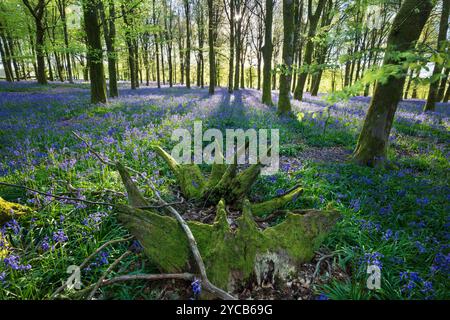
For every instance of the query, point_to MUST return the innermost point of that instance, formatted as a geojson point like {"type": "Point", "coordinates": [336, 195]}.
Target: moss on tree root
{"type": "Point", "coordinates": [9, 210]}
{"type": "Point", "coordinates": [224, 182]}
{"type": "Point", "coordinates": [229, 255]}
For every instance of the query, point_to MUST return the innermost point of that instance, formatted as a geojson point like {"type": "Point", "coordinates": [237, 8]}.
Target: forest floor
{"type": "Point", "coordinates": [397, 218]}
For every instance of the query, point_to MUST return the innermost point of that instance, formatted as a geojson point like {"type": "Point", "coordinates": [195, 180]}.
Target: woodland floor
{"type": "Point", "coordinates": [397, 218]}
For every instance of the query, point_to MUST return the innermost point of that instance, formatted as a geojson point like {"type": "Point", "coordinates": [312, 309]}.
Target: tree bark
{"type": "Point", "coordinates": [62, 12]}
{"type": "Point", "coordinates": [406, 29]}
{"type": "Point", "coordinates": [188, 43]}
{"type": "Point", "coordinates": [313, 22]}
{"type": "Point", "coordinates": [94, 51]}
{"type": "Point", "coordinates": [38, 14]}
{"type": "Point", "coordinates": [212, 63]}
{"type": "Point", "coordinates": [232, 43]}
{"type": "Point", "coordinates": [434, 85]}
{"type": "Point", "coordinates": [284, 102]}
{"type": "Point", "coordinates": [267, 55]}
{"type": "Point", "coordinates": [109, 31]}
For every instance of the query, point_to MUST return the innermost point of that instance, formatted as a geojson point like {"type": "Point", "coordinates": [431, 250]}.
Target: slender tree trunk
{"type": "Point", "coordinates": [5, 62]}
{"type": "Point", "coordinates": [158, 80]}
{"type": "Point", "coordinates": [267, 54]}
{"type": "Point", "coordinates": [232, 44]}
{"type": "Point", "coordinates": [444, 80]}
{"type": "Point", "coordinates": [6, 55]}
{"type": "Point", "coordinates": [447, 94]}
{"type": "Point", "coordinates": [237, 40]}
{"type": "Point", "coordinates": [62, 12]}
{"type": "Point", "coordinates": [284, 102]}
{"type": "Point", "coordinates": [188, 43]}
{"type": "Point", "coordinates": [95, 51]}
{"type": "Point", "coordinates": [434, 85]}
{"type": "Point", "coordinates": [406, 29]}
{"type": "Point", "coordinates": [38, 14]}
{"type": "Point", "coordinates": [313, 22]}
{"type": "Point", "coordinates": [212, 63]}
{"type": "Point", "coordinates": [109, 32]}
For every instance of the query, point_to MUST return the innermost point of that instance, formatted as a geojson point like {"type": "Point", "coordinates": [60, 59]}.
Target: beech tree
{"type": "Point", "coordinates": [407, 26]}
{"type": "Point", "coordinates": [37, 10]}
{"type": "Point", "coordinates": [284, 102]}
{"type": "Point", "coordinates": [94, 51]}
{"type": "Point", "coordinates": [267, 54]}
{"type": "Point", "coordinates": [433, 93]}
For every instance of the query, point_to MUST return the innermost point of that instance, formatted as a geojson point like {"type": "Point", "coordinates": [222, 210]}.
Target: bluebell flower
{"type": "Point", "coordinates": [45, 245]}
{"type": "Point", "coordinates": [3, 276]}
{"type": "Point", "coordinates": [14, 226]}
{"type": "Point", "coordinates": [355, 205]}
{"type": "Point", "coordinates": [420, 247]}
{"type": "Point", "coordinates": [387, 235]}
{"type": "Point", "coordinates": [322, 296]}
{"type": "Point", "coordinates": [60, 236]}
{"type": "Point", "coordinates": [196, 287]}
{"type": "Point", "coordinates": [13, 262]}
{"type": "Point", "coordinates": [136, 246]}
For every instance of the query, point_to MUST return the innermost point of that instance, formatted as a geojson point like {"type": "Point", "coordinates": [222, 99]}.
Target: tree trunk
{"type": "Point", "coordinates": [284, 102]}
{"type": "Point", "coordinates": [232, 43]}
{"type": "Point", "coordinates": [237, 40]}
{"type": "Point", "coordinates": [447, 94]}
{"type": "Point", "coordinates": [444, 80]}
{"type": "Point", "coordinates": [109, 31]}
{"type": "Point", "coordinates": [6, 56]}
{"type": "Point", "coordinates": [434, 85]}
{"type": "Point", "coordinates": [188, 44]}
{"type": "Point", "coordinates": [62, 12]}
{"type": "Point", "coordinates": [212, 63]}
{"type": "Point", "coordinates": [158, 80]}
{"type": "Point", "coordinates": [406, 29]}
{"type": "Point", "coordinates": [313, 22]}
{"type": "Point", "coordinates": [267, 55]}
{"type": "Point", "coordinates": [95, 51]}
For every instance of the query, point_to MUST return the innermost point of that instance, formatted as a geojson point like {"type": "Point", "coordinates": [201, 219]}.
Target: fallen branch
{"type": "Point", "coordinates": [319, 262]}
{"type": "Point", "coordinates": [82, 200]}
{"type": "Point", "coordinates": [150, 277]}
{"type": "Point", "coordinates": [110, 268]}
{"type": "Point", "coordinates": [85, 262]}
{"type": "Point", "coordinates": [54, 195]}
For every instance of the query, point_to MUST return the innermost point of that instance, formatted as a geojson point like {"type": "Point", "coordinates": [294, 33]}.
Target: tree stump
{"type": "Point", "coordinates": [231, 256]}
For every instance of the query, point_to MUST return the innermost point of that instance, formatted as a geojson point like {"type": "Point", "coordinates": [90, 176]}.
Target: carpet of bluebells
{"type": "Point", "coordinates": [396, 218]}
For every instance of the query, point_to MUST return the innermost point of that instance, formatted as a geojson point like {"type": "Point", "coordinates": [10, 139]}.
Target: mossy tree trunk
{"type": "Point", "coordinates": [267, 55]}
{"type": "Point", "coordinates": [436, 77]}
{"type": "Point", "coordinates": [94, 51]}
{"type": "Point", "coordinates": [284, 102]}
{"type": "Point", "coordinates": [313, 20]}
{"type": "Point", "coordinates": [373, 140]}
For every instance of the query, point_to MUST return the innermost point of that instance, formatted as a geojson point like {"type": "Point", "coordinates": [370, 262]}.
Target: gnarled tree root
{"type": "Point", "coordinates": [224, 182]}
{"type": "Point", "coordinates": [231, 256]}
